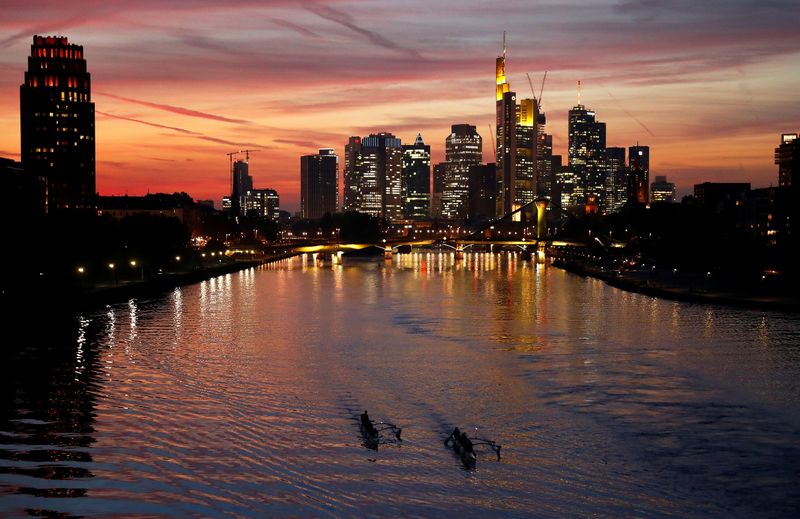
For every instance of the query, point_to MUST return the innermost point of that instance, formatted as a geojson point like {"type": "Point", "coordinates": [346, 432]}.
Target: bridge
{"type": "Point", "coordinates": [459, 244]}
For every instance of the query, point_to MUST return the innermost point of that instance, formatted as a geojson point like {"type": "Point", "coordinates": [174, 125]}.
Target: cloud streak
{"type": "Point", "coordinates": [343, 19]}
{"type": "Point", "coordinates": [174, 109]}
{"type": "Point", "coordinates": [184, 131]}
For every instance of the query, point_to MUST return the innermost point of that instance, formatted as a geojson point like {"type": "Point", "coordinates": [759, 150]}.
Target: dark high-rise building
{"type": "Point", "coordinates": [721, 197]}
{"type": "Point", "coordinates": [319, 183]}
{"type": "Point", "coordinates": [22, 193]}
{"type": "Point", "coordinates": [263, 203]}
{"type": "Point", "coordinates": [416, 185]}
{"type": "Point", "coordinates": [351, 173]}
{"type": "Point", "coordinates": [639, 162]}
{"type": "Point", "coordinates": [241, 183]}
{"type": "Point", "coordinates": [57, 124]}
{"type": "Point", "coordinates": [616, 179]}
{"type": "Point", "coordinates": [544, 158]}
{"type": "Point", "coordinates": [661, 190]}
{"type": "Point", "coordinates": [439, 177]}
{"type": "Point", "coordinates": [506, 153]}
{"type": "Point", "coordinates": [587, 144]}
{"type": "Point", "coordinates": [787, 157]}
{"type": "Point", "coordinates": [482, 186]}
{"type": "Point", "coordinates": [463, 149]}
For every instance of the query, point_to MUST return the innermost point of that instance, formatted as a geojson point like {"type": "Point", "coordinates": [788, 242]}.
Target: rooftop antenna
{"type": "Point", "coordinates": [579, 92]}
{"type": "Point", "coordinates": [504, 44]}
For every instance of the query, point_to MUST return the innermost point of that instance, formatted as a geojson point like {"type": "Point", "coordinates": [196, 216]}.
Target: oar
{"type": "Point", "coordinates": [483, 441]}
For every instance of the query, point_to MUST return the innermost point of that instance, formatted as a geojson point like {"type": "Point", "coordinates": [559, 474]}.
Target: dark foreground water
{"type": "Point", "coordinates": [238, 397]}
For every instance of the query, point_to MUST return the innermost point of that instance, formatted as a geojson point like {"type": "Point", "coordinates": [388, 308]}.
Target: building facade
{"type": "Point", "coordinates": [482, 186]}
{"type": "Point", "coordinates": [416, 185]}
{"type": "Point", "coordinates": [263, 203]}
{"type": "Point", "coordinates": [57, 124]}
{"type": "Point", "coordinates": [661, 190]}
{"type": "Point", "coordinates": [351, 173]}
{"type": "Point", "coordinates": [241, 183]}
{"type": "Point", "coordinates": [506, 128]}
{"type": "Point", "coordinates": [787, 158]}
{"type": "Point", "coordinates": [319, 188]}
{"type": "Point", "coordinates": [526, 157]}
{"type": "Point", "coordinates": [586, 154]}
{"type": "Point", "coordinates": [616, 179]}
{"type": "Point", "coordinates": [463, 149]}
{"type": "Point", "coordinates": [639, 166]}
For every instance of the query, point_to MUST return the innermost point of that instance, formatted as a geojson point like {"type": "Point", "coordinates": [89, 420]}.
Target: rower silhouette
{"type": "Point", "coordinates": [366, 423]}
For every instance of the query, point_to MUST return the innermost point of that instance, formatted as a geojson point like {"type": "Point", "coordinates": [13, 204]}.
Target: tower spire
{"type": "Point", "coordinates": [504, 44]}
{"type": "Point", "coordinates": [579, 92]}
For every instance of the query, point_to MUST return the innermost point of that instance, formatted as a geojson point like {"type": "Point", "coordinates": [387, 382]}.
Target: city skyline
{"type": "Point", "coordinates": [172, 101]}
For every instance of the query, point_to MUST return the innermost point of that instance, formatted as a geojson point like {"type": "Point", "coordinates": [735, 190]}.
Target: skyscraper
{"type": "Point", "coordinates": [463, 149]}
{"type": "Point", "coordinates": [482, 187]}
{"type": "Point", "coordinates": [587, 144]}
{"type": "Point", "coordinates": [439, 173]}
{"type": "Point", "coordinates": [544, 158]}
{"type": "Point", "coordinates": [616, 179]}
{"type": "Point", "coordinates": [787, 157]}
{"type": "Point", "coordinates": [351, 173]}
{"type": "Point", "coordinates": [57, 124]}
{"type": "Point", "coordinates": [639, 171]}
{"type": "Point", "coordinates": [319, 183]}
{"type": "Point", "coordinates": [506, 153]}
{"type": "Point", "coordinates": [416, 182]}
{"type": "Point", "coordinates": [525, 169]}
{"type": "Point", "coordinates": [241, 182]}
{"type": "Point", "coordinates": [377, 166]}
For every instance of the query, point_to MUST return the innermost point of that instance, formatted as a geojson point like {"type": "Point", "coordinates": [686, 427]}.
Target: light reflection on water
{"type": "Point", "coordinates": [238, 396]}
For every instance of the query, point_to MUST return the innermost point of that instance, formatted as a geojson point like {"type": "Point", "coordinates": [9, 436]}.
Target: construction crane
{"type": "Point", "coordinates": [541, 89]}
{"type": "Point", "coordinates": [234, 153]}
{"type": "Point", "coordinates": [533, 92]}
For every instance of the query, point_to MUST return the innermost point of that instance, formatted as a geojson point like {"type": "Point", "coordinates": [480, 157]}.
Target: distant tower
{"type": "Point", "coordinates": [506, 114]}
{"type": "Point", "coordinates": [416, 179]}
{"type": "Point", "coordinates": [586, 154]}
{"type": "Point", "coordinates": [639, 171]}
{"type": "Point", "coordinates": [242, 182]}
{"type": "Point", "coordinates": [318, 183]}
{"type": "Point", "coordinates": [57, 124]}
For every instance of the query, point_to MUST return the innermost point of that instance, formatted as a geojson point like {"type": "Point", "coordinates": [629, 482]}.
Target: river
{"type": "Point", "coordinates": [238, 397]}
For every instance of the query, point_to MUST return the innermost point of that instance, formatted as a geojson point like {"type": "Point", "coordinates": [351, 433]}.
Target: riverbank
{"type": "Point", "coordinates": [168, 281]}
{"type": "Point", "coordinates": [690, 294]}
{"type": "Point", "coordinates": [56, 300]}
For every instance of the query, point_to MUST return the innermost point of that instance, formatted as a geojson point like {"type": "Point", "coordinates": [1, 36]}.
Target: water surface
{"type": "Point", "coordinates": [238, 396]}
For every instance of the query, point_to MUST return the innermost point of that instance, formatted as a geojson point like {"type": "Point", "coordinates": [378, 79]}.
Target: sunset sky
{"type": "Point", "coordinates": [709, 85]}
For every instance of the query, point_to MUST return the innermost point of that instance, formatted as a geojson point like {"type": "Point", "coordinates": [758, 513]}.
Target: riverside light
{"type": "Point", "coordinates": [133, 263]}
{"type": "Point", "coordinates": [177, 258]}
{"type": "Point", "coordinates": [111, 266]}
{"type": "Point", "coordinates": [80, 270]}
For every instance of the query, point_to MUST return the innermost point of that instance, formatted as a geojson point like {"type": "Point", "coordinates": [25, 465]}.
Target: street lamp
{"type": "Point", "coordinates": [141, 268]}
{"type": "Point", "coordinates": [113, 272]}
